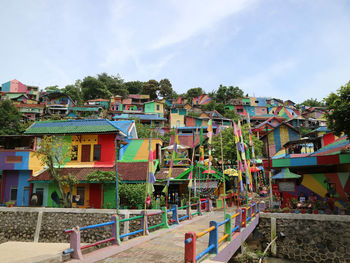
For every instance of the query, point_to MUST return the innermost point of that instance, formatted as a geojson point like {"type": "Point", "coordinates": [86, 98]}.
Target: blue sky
{"type": "Point", "coordinates": [286, 49]}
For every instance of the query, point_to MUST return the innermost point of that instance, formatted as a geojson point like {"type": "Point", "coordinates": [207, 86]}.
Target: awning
{"type": "Point", "coordinates": [286, 174]}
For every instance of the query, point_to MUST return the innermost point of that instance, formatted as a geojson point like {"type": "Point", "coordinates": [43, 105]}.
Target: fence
{"type": "Point", "coordinates": [241, 218]}
{"type": "Point", "coordinates": [115, 239]}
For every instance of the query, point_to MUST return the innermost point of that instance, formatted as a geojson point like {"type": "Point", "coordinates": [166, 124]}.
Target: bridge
{"type": "Point", "coordinates": [193, 237]}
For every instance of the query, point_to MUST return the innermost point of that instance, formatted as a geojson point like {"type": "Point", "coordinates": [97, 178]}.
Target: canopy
{"type": "Point", "coordinates": [209, 172]}
{"type": "Point", "coordinates": [285, 174]}
{"type": "Point", "coordinates": [231, 172]}
{"type": "Point", "coordinates": [179, 147]}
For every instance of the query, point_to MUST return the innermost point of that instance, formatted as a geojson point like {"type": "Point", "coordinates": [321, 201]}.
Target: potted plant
{"type": "Point", "coordinates": [285, 209]}
{"type": "Point", "coordinates": [10, 203]}
{"type": "Point", "coordinates": [294, 202]}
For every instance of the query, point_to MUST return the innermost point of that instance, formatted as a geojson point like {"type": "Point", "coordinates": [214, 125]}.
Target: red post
{"type": "Point", "coordinates": [244, 217]}
{"type": "Point", "coordinates": [190, 247]}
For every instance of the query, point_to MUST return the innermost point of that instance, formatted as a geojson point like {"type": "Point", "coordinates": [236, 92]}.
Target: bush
{"type": "Point", "coordinates": [132, 195]}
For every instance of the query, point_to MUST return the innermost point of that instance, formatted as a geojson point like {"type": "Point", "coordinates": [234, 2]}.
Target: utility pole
{"type": "Point", "coordinates": [269, 161]}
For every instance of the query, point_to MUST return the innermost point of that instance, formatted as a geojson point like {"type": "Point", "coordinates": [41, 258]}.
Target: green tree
{"type": "Point", "coordinates": [194, 92]}
{"type": "Point", "coordinates": [93, 88]}
{"type": "Point", "coordinates": [74, 91]}
{"type": "Point", "coordinates": [52, 88]}
{"type": "Point", "coordinates": [224, 94]}
{"type": "Point", "coordinates": [132, 195]}
{"type": "Point", "coordinates": [210, 106]}
{"type": "Point", "coordinates": [229, 146]}
{"type": "Point", "coordinates": [151, 88]}
{"type": "Point", "coordinates": [53, 153]}
{"type": "Point", "coordinates": [113, 83]}
{"type": "Point", "coordinates": [313, 103]}
{"type": "Point", "coordinates": [10, 119]}
{"type": "Point", "coordinates": [134, 87]}
{"type": "Point", "coordinates": [338, 116]}
{"type": "Point", "coordinates": [231, 114]}
{"type": "Point", "coordinates": [165, 89]}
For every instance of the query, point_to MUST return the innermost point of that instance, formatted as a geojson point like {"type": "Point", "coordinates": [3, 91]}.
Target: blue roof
{"type": "Point", "coordinates": [151, 117]}
{"type": "Point", "coordinates": [123, 126]}
{"type": "Point", "coordinates": [321, 129]}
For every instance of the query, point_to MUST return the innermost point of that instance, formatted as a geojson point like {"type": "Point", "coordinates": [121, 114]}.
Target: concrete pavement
{"type": "Point", "coordinates": [30, 252]}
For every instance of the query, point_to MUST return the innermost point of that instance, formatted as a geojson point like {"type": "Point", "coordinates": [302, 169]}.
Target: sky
{"type": "Point", "coordinates": [290, 49]}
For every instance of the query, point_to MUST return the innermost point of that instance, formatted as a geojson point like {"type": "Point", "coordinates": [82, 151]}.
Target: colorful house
{"type": "Point", "coordinates": [15, 86]}
{"type": "Point", "coordinates": [99, 102]}
{"type": "Point", "coordinates": [57, 103]}
{"type": "Point", "coordinates": [17, 163]}
{"type": "Point", "coordinates": [31, 111]}
{"type": "Point", "coordinates": [92, 144]}
{"type": "Point", "coordinates": [154, 107]}
{"type": "Point", "coordinates": [279, 136]}
{"type": "Point", "coordinates": [149, 119]}
{"type": "Point", "coordinates": [177, 117]}
{"type": "Point", "coordinates": [324, 171]}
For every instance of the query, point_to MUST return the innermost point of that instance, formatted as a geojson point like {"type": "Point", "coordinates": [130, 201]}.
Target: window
{"type": "Point", "coordinates": [74, 153]}
{"type": "Point", "coordinates": [97, 152]}
{"type": "Point", "coordinates": [240, 110]}
{"type": "Point", "coordinates": [13, 194]}
{"type": "Point", "coordinates": [158, 107]}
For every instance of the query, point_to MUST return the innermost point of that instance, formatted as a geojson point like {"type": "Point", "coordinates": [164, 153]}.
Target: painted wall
{"type": "Point", "coordinates": [316, 183]}
{"type": "Point", "coordinates": [23, 177]}
{"type": "Point", "coordinates": [177, 118]}
{"type": "Point", "coordinates": [280, 136]}
{"type": "Point", "coordinates": [47, 201]}
{"type": "Point", "coordinates": [11, 180]}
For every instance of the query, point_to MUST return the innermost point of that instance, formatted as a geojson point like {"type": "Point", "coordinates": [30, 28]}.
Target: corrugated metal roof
{"type": "Point", "coordinates": [150, 117]}
{"type": "Point", "coordinates": [72, 127]}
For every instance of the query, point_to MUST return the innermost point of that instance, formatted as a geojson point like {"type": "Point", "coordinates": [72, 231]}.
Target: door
{"type": "Point", "coordinates": [25, 196]}
{"type": "Point", "coordinates": [85, 152]}
{"type": "Point", "coordinates": [95, 195]}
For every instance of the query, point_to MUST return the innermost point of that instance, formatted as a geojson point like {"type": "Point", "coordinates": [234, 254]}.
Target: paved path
{"type": "Point", "coordinates": [165, 246]}
{"type": "Point", "coordinates": [26, 252]}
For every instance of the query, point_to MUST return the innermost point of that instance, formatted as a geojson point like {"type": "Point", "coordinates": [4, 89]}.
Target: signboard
{"type": "Point", "coordinates": [286, 186]}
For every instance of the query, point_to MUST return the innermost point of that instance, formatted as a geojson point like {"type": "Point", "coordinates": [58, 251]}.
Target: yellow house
{"type": "Point", "coordinates": [177, 118]}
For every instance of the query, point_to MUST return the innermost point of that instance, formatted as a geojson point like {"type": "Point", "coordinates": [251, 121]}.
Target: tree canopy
{"type": "Point", "coordinates": [93, 88]}
{"type": "Point", "coordinates": [194, 92]}
{"type": "Point", "coordinates": [74, 91]}
{"type": "Point", "coordinates": [10, 119]}
{"type": "Point", "coordinates": [313, 103]}
{"type": "Point", "coordinates": [225, 94]}
{"type": "Point", "coordinates": [133, 87]}
{"type": "Point", "coordinates": [338, 117]}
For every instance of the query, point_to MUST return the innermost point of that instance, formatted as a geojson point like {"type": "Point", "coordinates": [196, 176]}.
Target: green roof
{"type": "Point", "coordinates": [72, 127]}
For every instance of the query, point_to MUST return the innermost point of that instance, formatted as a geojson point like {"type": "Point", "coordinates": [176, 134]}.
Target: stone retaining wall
{"type": "Point", "coordinates": [308, 237]}
{"type": "Point", "coordinates": [25, 224]}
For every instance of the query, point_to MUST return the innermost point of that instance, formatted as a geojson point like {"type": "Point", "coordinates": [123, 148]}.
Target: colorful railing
{"type": "Point", "coordinates": [115, 239]}
{"type": "Point", "coordinates": [241, 218]}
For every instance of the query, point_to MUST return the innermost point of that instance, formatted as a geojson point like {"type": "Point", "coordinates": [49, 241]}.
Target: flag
{"type": "Point", "coordinates": [201, 136]}
{"type": "Point", "coordinates": [148, 200]}
{"type": "Point", "coordinates": [210, 130]}
{"type": "Point", "coordinates": [151, 170]}
{"type": "Point", "coordinates": [190, 178]}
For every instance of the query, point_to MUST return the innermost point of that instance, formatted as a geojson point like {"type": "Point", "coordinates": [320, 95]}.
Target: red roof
{"type": "Point", "coordinates": [135, 171]}
{"type": "Point", "coordinates": [164, 172]}
{"type": "Point", "coordinates": [80, 173]}
{"type": "Point", "coordinates": [99, 100]}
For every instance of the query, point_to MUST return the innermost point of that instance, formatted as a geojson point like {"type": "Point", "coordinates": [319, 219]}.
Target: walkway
{"type": "Point", "coordinates": [160, 246]}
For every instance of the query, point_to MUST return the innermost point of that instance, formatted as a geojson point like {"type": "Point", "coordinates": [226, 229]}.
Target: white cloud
{"type": "Point", "coordinates": [144, 45]}
{"type": "Point", "coordinates": [195, 17]}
